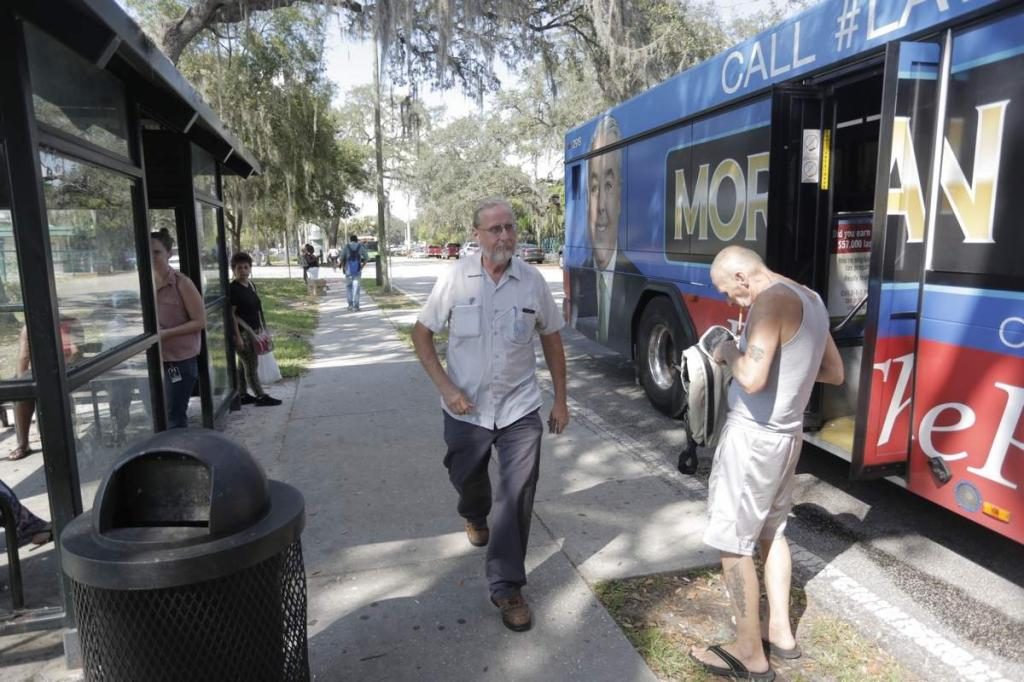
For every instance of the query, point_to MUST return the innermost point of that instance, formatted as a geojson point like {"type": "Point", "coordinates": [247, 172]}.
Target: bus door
{"type": "Point", "coordinates": [968, 411]}
{"type": "Point", "coordinates": [897, 231]}
{"type": "Point", "coordinates": [795, 201]}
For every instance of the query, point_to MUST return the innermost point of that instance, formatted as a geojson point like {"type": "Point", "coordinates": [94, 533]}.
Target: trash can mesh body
{"type": "Point", "coordinates": [249, 625]}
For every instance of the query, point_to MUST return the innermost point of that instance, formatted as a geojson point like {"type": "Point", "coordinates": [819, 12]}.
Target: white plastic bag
{"type": "Point", "coordinates": [267, 369]}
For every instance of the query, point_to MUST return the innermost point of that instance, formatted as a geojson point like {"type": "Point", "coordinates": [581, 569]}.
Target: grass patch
{"type": "Point", "coordinates": [842, 654]}
{"type": "Point", "coordinates": [664, 615]}
{"type": "Point", "coordinates": [292, 316]}
{"type": "Point", "coordinates": [664, 656]}
{"type": "Point", "coordinates": [612, 594]}
{"type": "Point", "coordinates": [395, 300]}
{"type": "Point", "coordinates": [404, 332]}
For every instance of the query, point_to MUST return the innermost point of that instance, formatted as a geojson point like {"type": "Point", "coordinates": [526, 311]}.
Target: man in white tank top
{"type": "Point", "coordinates": [784, 349]}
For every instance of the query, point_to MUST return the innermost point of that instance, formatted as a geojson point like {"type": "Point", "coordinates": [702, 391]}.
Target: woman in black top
{"type": "Point", "coordinates": [247, 310]}
{"type": "Point", "coordinates": [310, 269]}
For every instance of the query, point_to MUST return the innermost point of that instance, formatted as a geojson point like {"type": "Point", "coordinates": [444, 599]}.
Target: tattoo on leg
{"type": "Point", "coordinates": [734, 581]}
{"type": "Point", "coordinates": [755, 353]}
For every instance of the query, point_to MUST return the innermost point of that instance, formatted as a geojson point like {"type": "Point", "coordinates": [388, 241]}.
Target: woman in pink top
{"type": "Point", "coordinates": [182, 318]}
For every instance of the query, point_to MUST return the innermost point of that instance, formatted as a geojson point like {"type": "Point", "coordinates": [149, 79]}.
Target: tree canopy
{"type": "Point", "coordinates": [266, 79]}
{"type": "Point", "coordinates": [261, 63]}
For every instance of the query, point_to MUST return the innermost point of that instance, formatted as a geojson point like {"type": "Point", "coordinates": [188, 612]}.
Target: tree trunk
{"type": "Point", "coordinates": [382, 236]}
{"type": "Point", "coordinates": [332, 230]}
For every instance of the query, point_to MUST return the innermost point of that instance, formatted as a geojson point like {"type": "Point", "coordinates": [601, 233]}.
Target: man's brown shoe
{"type": "Point", "coordinates": [478, 537]}
{"type": "Point", "coordinates": [515, 612]}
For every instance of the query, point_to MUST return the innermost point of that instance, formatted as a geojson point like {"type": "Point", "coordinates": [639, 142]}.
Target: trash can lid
{"type": "Point", "coordinates": [183, 506]}
{"type": "Point", "coordinates": [182, 478]}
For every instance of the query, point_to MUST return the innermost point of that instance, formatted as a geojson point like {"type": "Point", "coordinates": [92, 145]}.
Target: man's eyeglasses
{"type": "Point", "coordinates": [496, 230]}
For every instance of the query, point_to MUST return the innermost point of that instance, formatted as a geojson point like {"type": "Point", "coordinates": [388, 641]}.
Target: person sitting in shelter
{"type": "Point", "coordinates": [71, 337]}
{"type": "Point", "coordinates": [30, 528]}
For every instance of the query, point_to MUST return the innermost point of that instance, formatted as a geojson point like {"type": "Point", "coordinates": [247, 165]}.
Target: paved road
{"type": "Point", "coordinates": [953, 576]}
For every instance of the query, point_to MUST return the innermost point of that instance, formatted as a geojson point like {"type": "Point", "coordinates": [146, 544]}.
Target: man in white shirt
{"type": "Point", "coordinates": [493, 304]}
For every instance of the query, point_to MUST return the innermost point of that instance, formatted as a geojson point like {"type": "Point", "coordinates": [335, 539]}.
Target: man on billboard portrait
{"type": "Point", "coordinates": [596, 297]}
{"type": "Point", "coordinates": [604, 206]}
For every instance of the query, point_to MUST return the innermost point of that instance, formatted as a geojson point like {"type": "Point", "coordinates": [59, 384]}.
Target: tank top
{"type": "Point", "coordinates": [171, 313]}
{"type": "Point", "coordinates": [780, 405]}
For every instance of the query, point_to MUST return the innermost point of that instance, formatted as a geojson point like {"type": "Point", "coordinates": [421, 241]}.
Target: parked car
{"type": "Point", "coordinates": [531, 253]}
{"type": "Point", "coordinates": [469, 248]}
{"type": "Point", "coordinates": [561, 256]}
{"type": "Point", "coordinates": [451, 250]}
{"type": "Point", "coordinates": [434, 251]}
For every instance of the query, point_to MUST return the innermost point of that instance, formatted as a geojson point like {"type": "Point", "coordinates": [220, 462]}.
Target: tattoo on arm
{"type": "Point", "coordinates": [755, 353]}
{"type": "Point", "coordinates": [734, 581]}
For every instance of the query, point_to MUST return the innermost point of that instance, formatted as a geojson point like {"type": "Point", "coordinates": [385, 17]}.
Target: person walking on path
{"type": "Point", "coordinates": [353, 258]}
{"type": "Point", "coordinates": [493, 304]}
{"type": "Point", "coordinates": [783, 350]}
{"type": "Point", "coordinates": [182, 318]}
{"type": "Point", "coordinates": [311, 269]}
{"type": "Point", "coordinates": [247, 312]}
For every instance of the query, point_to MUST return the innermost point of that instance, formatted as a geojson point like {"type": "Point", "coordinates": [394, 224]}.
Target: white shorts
{"type": "Point", "coordinates": [750, 491]}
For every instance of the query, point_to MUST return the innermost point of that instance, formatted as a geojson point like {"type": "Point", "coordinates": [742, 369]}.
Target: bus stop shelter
{"type": "Point", "coordinates": [101, 140]}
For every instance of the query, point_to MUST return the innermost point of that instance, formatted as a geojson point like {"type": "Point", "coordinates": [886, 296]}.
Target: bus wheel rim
{"type": "Point", "coordinates": [659, 366]}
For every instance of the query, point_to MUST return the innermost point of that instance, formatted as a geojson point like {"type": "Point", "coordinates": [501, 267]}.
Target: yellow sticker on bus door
{"type": "Point", "coordinates": [826, 157]}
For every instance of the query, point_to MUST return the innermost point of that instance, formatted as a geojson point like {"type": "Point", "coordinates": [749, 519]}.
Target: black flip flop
{"type": "Point", "coordinates": [785, 654]}
{"type": "Point", "coordinates": [736, 669]}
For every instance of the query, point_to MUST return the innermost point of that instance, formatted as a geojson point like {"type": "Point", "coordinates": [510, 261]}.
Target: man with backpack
{"type": "Point", "coordinates": [353, 258]}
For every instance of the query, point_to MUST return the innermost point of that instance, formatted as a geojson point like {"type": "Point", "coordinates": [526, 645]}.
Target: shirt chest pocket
{"type": "Point", "coordinates": [465, 321]}
{"type": "Point", "coordinates": [519, 325]}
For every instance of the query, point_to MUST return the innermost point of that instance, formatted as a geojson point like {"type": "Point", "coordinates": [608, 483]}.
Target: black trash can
{"type": "Point", "coordinates": [189, 567]}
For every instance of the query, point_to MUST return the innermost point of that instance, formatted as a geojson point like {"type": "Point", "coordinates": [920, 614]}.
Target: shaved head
{"type": "Point", "coordinates": [733, 259]}
{"type": "Point", "coordinates": [737, 272]}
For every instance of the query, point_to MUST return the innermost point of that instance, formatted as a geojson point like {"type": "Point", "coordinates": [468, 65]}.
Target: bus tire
{"type": "Point", "coordinates": [660, 341]}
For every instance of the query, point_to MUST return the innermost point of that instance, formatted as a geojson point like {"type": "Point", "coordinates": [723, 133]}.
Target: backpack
{"type": "Point", "coordinates": [706, 384]}
{"type": "Point", "coordinates": [353, 259]}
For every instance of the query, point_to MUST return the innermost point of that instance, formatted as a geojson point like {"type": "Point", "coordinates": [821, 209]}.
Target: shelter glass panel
{"type": "Point", "coordinates": [13, 350]}
{"type": "Point", "coordinates": [111, 412]}
{"type": "Point", "coordinates": [209, 251]}
{"type": "Point", "coordinates": [75, 96]}
{"type": "Point", "coordinates": [92, 241]}
{"type": "Point", "coordinates": [216, 344]}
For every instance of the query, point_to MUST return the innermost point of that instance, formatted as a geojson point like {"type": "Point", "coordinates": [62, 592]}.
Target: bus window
{"type": "Point", "coordinates": [858, 109]}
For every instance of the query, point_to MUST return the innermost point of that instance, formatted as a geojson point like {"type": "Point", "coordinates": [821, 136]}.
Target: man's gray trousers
{"type": "Point", "coordinates": [518, 450]}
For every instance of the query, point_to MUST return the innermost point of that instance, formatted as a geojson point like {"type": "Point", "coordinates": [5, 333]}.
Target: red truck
{"type": "Point", "coordinates": [434, 251]}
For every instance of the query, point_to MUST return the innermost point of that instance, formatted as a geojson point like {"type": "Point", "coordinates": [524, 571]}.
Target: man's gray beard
{"type": "Point", "coordinates": [498, 256]}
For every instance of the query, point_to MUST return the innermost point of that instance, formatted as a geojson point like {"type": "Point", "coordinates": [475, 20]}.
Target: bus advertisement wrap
{"type": "Point", "coordinates": [903, 215]}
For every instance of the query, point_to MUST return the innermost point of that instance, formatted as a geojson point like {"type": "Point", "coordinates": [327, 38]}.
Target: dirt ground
{"type": "Point", "coordinates": [664, 615]}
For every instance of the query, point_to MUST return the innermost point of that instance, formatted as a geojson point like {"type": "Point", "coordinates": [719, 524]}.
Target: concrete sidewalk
{"type": "Point", "coordinates": [395, 590]}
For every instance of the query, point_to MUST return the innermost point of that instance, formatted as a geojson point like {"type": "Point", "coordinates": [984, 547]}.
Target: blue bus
{"type": "Point", "coordinates": [868, 149]}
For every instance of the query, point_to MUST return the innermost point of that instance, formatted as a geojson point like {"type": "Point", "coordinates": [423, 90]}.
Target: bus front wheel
{"type": "Point", "coordinates": [660, 341]}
